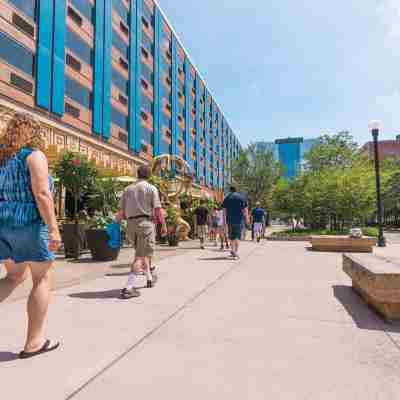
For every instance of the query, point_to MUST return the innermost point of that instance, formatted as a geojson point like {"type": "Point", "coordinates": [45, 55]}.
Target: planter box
{"type": "Point", "coordinates": [73, 236]}
{"type": "Point", "coordinates": [377, 281]}
{"type": "Point", "coordinates": [97, 240]}
{"type": "Point", "coordinates": [343, 244]}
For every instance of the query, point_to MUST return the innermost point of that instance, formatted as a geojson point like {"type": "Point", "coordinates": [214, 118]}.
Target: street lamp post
{"type": "Point", "coordinates": [374, 127]}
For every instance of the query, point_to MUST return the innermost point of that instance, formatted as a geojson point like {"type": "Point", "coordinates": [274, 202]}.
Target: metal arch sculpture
{"type": "Point", "coordinates": [176, 178]}
{"type": "Point", "coordinates": [176, 175]}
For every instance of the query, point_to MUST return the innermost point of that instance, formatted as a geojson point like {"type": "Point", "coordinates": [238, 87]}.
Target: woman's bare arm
{"type": "Point", "coordinates": [38, 167]}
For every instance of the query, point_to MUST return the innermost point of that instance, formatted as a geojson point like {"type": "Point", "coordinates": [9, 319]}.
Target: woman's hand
{"type": "Point", "coordinates": [54, 240]}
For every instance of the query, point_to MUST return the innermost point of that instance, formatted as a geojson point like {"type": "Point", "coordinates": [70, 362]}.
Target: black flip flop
{"type": "Point", "coordinates": [46, 348]}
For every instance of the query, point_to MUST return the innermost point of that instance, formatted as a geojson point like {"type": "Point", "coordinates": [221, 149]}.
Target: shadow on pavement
{"type": "Point", "coordinates": [118, 274]}
{"type": "Point", "coordinates": [363, 316]}
{"type": "Point", "coordinates": [214, 258]}
{"type": "Point", "coordinates": [105, 294]}
{"type": "Point", "coordinates": [6, 356]}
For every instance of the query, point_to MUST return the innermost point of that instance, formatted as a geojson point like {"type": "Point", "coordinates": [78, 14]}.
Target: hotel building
{"type": "Point", "coordinates": [290, 152]}
{"type": "Point", "coordinates": [110, 79]}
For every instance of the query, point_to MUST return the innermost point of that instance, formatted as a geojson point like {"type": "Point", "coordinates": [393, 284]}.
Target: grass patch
{"type": "Point", "coordinates": [316, 232]}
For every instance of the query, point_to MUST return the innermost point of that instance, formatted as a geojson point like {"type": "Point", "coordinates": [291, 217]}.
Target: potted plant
{"type": "Point", "coordinates": [77, 175]}
{"type": "Point", "coordinates": [171, 220]}
{"type": "Point", "coordinates": [100, 243]}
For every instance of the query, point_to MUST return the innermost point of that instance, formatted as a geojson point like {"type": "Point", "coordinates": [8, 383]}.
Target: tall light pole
{"type": "Point", "coordinates": [374, 127]}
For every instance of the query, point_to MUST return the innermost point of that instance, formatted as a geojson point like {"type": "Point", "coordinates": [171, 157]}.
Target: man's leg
{"type": "Point", "coordinates": [38, 303]}
{"type": "Point", "coordinates": [201, 235]}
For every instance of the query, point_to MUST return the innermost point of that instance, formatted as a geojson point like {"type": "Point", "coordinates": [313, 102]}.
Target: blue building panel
{"type": "Point", "coordinates": [158, 20]}
{"type": "Point", "coordinates": [107, 69]}
{"type": "Point", "coordinates": [98, 73]}
{"type": "Point", "coordinates": [58, 87]}
{"type": "Point", "coordinates": [198, 127]}
{"type": "Point", "coordinates": [44, 53]}
{"type": "Point", "coordinates": [188, 135]}
{"type": "Point", "coordinates": [175, 105]}
{"type": "Point", "coordinates": [207, 136]}
{"type": "Point", "coordinates": [135, 72]}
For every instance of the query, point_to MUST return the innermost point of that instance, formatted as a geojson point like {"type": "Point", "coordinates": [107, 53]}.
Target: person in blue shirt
{"type": "Point", "coordinates": [236, 212]}
{"type": "Point", "coordinates": [258, 218]}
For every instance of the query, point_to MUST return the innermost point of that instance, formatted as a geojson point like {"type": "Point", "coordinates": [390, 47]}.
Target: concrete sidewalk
{"type": "Point", "coordinates": [281, 323]}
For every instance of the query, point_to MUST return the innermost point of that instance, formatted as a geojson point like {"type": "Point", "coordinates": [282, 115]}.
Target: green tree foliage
{"type": "Point", "coordinates": [255, 172]}
{"type": "Point", "coordinates": [106, 195]}
{"type": "Point", "coordinates": [337, 151]}
{"type": "Point", "coordinates": [336, 190]}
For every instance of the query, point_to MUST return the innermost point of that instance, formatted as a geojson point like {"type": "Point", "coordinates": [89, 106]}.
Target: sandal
{"type": "Point", "coordinates": [46, 348]}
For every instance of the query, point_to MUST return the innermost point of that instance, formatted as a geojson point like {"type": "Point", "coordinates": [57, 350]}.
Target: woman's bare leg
{"type": "Point", "coordinates": [16, 274]}
{"type": "Point", "coordinates": [38, 304]}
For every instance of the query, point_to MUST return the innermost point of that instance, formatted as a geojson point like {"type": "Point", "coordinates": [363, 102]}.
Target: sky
{"type": "Point", "coordinates": [289, 68]}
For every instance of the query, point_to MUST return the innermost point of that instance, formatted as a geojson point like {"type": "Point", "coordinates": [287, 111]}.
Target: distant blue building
{"type": "Point", "coordinates": [290, 152]}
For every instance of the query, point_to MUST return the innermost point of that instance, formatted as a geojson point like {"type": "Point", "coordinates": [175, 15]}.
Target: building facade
{"type": "Point", "coordinates": [290, 152]}
{"type": "Point", "coordinates": [387, 148]}
{"type": "Point", "coordinates": [110, 78]}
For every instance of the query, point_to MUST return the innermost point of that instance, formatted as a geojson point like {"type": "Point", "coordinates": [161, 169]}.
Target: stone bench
{"type": "Point", "coordinates": [377, 281]}
{"type": "Point", "coordinates": [343, 244]}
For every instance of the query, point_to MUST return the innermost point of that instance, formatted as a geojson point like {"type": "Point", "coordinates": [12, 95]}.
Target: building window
{"type": "Point", "coordinates": [79, 47]}
{"type": "Point", "coordinates": [23, 25]}
{"type": "Point", "coordinates": [147, 73]}
{"type": "Point", "coordinates": [119, 119]}
{"type": "Point", "coordinates": [147, 43]}
{"type": "Point", "coordinates": [73, 62]}
{"type": "Point", "coordinates": [17, 55]}
{"type": "Point", "coordinates": [123, 64]}
{"type": "Point", "coordinates": [147, 105]}
{"type": "Point", "coordinates": [145, 53]}
{"type": "Point", "coordinates": [145, 85]}
{"type": "Point", "coordinates": [120, 82]}
{"type": "Point", "coordinates": [122, 99]}
{"type": "Point", "coordinates": [144, 116]}
{"type": "Point", "coordinates": [121, 10]}
{"type": "Point", "coordinates": [120, 45]}
{"type": "Point", "coordinates": [147, 12]}
{"type": "Point", "coordinates": [145, 23]}
{"type": "Point", "coordinates": [21, 83]}
{"type": "Point", "coordinates": [28, 7]}
{"type": "Point", "coordinates": [75, 16]}
{"type": "Point", "coordinates": [85, 8]}
{"type": "Point", "coordinates": [124, 28]}
{"type": "Point", "coordinates": [75, 91]}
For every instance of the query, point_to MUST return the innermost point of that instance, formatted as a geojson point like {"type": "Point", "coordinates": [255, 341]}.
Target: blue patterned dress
{"type": "Point", "coordinates": [23, 234]}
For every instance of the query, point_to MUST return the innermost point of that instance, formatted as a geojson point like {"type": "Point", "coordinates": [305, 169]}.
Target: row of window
{"type": "Point", "coordinates": [16, 54]}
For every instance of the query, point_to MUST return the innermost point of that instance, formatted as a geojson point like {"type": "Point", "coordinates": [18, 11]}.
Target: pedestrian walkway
{"type": "Point", "coordinates": [281, 323]}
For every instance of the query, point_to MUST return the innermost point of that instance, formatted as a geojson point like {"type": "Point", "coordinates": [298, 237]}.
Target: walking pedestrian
{"type": "Point", "coordinates": [29, 233]}
{"type": "Point", "coordinates": [258, 220]}
{"type": "Point", "coordinates": [214, 226]}
{"type": "Point", "coordinates": [236, 211]}
{"type": "Point", "coordinates": [139, 203]}
{"type": "Point", "coordinates": [201, 213]}
{"type": "Point", "coordinates": [221, 228]}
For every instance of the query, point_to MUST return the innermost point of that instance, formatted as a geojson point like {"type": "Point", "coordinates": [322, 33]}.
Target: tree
{"type": "Point", "coordinates": [336, 151]}
{"type": "Point", "coordinates": [256, 172]}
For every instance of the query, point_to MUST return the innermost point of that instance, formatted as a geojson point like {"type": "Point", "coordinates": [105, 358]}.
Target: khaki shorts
{"type": "Point", "coordinates": [142, 235]}
{"type": "Point", "coordinates": [202, 231]}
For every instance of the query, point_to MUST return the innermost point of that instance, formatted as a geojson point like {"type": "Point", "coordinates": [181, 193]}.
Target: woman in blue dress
{"type": "Point", "coordinates": [29, 233]}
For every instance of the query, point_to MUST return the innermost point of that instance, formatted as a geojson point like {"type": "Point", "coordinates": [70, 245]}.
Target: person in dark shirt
{"type": "Point", "coordinates": [201, 222]}
{"type": "Point", "coordinates": [236, 212]}
{"type": "Point", "coordinates": [258, 220]}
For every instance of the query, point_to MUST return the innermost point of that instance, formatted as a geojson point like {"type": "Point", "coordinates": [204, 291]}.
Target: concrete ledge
{"type": "Point", "coordinates": [343, 244]}
{"type": "Point", "coordinates": [377, 281]}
